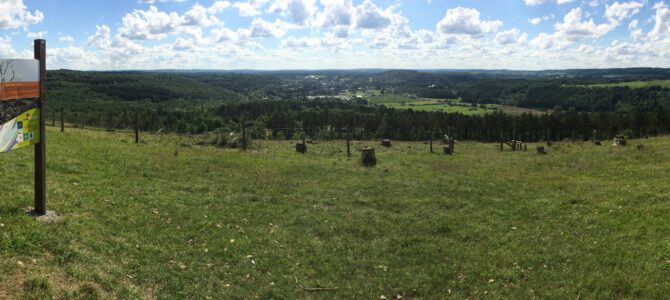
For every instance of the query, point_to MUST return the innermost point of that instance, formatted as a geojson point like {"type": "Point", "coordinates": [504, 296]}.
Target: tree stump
{"type": "Point", "coordinates": [540, 150]}
{"type": "Point", "coordinates": [447, 150]}
{"type": "Point", "coordinates": [368, 157]}
{"type": "Point", "coordinates": [597, 143]}
{"type": "Point", "coordinates": [301, 147]}
{"type": "Point", "coordinates": [619, 140]}
{"type": "Point", "coordinates": [386, 143]}
{"type": "Point", "coordinates": [639, 146]}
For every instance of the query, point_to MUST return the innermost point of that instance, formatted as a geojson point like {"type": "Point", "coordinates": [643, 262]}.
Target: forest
{"type": "Point", "coordinates": [293, 104]}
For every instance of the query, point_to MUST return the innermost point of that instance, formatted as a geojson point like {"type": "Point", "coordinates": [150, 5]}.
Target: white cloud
{"type": "Point", "coordinates": [36, 35]}
{"type": "Point", "coordinates": [182, 44]}
{"type": "Point", "coordinates": [512, 36]}
{"type": "Point", "coordinates": [250, 8]}
{"type": "Point", "coordinates": [299, 11]}
{"type": "Point", "coordinates": [66, 39]}
{"type": "Point", "coordinates": [336, 13]}
{"type": "Point", "coordinates": [618, 12]}
{"type": "Point", "coordinates": [466, 21]}
{"type": "Point", "coordinates": [14, 14]}
{"type": "Point", "coordinates": [369, 16]}
{"type": "Point", "coordinates": [635, 33]}
{"type": "Point", "coordinates": [149, 24]}
{"type": "Point", "coordinates": [101, 36]}
{"type": "Point", "coordinates": [71, 58]}
{"type": "Point", "coordinates": [538, 2]}
{"type": "Point", "coordinates": [218, 7]}
{"type": "Point", "coordinates": [538, 20]}
{"type": "Point", "coordinates": [262, 28]}
{"type": "Point", "coordinates": [662, 21]}
{"type": "Point", "coordinates": [199, 16]}
{"type": "Point", "coordinates": [6, 49]}
{"type": "Point", "coordinates": [574, 28]}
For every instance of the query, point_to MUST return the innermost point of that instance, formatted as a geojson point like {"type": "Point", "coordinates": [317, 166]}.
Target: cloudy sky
{"type": "Point", "coordinates": [341, 34]}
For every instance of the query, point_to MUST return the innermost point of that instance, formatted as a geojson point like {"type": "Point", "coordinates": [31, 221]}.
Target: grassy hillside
{"type": "Point", "coordinates": [139, 222]}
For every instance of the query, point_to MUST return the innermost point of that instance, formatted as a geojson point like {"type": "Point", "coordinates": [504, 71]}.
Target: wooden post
{"type": "Point", "coordinates": [137, 128]}
{"type": "Point", "coordinates": [368, 157]}
{"type": "Point", "coordinates": [40, 149]}
{"type": "Point", "coordinates": [62, 120]}
{"type": "Point", "coordinates": [348, 142]}
{"type": "Point", "coordinates": [430, 142]}
{"type": "Point", "coordinates": [301, 147]}
{"type": "Point", "coordinates": [451, 140]}
{"type": "Point", "coordinates": [244, 136]}
{"type": "Point", "coordinates": [501, 140]}
{"type": "Point", "coordinates": [53, 118]}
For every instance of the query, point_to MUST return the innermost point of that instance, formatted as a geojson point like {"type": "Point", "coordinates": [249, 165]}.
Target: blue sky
{"type": "Point", "coordinates": [318, 34]}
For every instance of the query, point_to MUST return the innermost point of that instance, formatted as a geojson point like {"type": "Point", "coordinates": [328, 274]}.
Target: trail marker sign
{"type": "Point", "coordinates": [19, 78]}
{"type": "Point", "coordinates": [25, 126]}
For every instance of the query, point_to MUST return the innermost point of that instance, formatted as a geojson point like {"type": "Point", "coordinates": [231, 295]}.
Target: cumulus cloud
{"type": "Point", "coordinates": [262, 28]}
{"type": "Point", "coordinates": [369, 16]}
{"type": "Point", "coordinates": [149, 24]}
{"type": "Point", "coordinates": [662, 21]}
{"type": "Point", "coordinates": [299, 11]}
{"type": "Point", "coordinates": [218, 7]}
{"type": "Point", "coordinates": [336, 13]}
{"type": "Point", "coordinates": [66, 39]}
{"type": "Point", "coordinates": [14, 14]}
{"type": "Point", "coordinates": [538, 2]}
{"type": "Point", "coordinates": [618, 12]}
{"type": "Point", "coordinates": [250, 8]}
{"type": "Point", "coordinates": [512, 36]}
{"type": "Point", "coordinates": [574, 28]}
{"type": "Point", "coordinates": [466, 21]}
{"type": "Point", "coordinates": [36, 35]}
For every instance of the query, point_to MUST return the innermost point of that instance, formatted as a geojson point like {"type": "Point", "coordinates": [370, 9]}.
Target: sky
{"type": "Point", "coordinates": [338, 34]}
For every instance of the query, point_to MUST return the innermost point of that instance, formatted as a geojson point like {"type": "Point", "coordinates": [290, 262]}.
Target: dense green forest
{"type": "Point", "coordinates": [293, 104]}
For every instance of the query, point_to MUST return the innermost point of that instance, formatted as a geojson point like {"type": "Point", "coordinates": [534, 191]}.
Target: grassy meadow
{"type": "Point", "coordinates": [635, 84]}
{"type": "Point", "coordinates": [139, 222]}
{"type": "Point", "coordinates": [425, 104]}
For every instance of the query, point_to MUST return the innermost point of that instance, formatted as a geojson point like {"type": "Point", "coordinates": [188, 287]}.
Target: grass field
{"type": "Point", "coordinates": [139, 222]}
{"type": "Point", "coordinates": [635, 84]}
{"type": "Point", "coordinates": [425, 104]}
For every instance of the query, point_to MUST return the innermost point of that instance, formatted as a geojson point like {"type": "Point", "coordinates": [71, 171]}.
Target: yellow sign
{"type": "Point", "coordinates": [22, 131]}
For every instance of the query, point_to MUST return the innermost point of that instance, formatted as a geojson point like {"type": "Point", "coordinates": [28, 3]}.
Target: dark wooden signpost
{"type": "Point", "coordinates": [22, 79]}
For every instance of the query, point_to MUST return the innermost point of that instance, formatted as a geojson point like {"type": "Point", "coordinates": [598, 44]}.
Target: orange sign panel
{"type": "Point", "coordinates": [19, 78]}
{"type": "Point", "coordinates": [18, 90]}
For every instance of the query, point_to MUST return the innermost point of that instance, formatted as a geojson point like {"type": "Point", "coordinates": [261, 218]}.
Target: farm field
{"type": "Point", "coordinates": [635, 84]}
{"type": "Point", "coordinates": [139, 222]}
{"type": "Point", "coordinates": [425, 104]}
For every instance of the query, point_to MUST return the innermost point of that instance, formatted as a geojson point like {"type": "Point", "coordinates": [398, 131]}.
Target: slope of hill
{"type": "Point", "coordinates": [140, 222]}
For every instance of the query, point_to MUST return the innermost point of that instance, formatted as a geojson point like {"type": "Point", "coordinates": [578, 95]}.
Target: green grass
{"type": "Point", "coordinates": [424, 104]}
{"type": "Point", "coordinates": [635, 84]}
{"type": "Point", "coordinates": [139, 222]}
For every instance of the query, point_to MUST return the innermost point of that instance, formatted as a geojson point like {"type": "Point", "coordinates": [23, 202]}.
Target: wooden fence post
{"type": "Point", "coordinates": [137, 127]}
{"type": "Point", "coordinates": [244, 136]}
{"type": "Point", "coordinates": [501, 140]}
{"type": "Point", "coordinates": [430, 142]}
{"type": "Point", "coordinates": [348, 142]}
{"type": "Point", "coordinates": [40, 149]}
